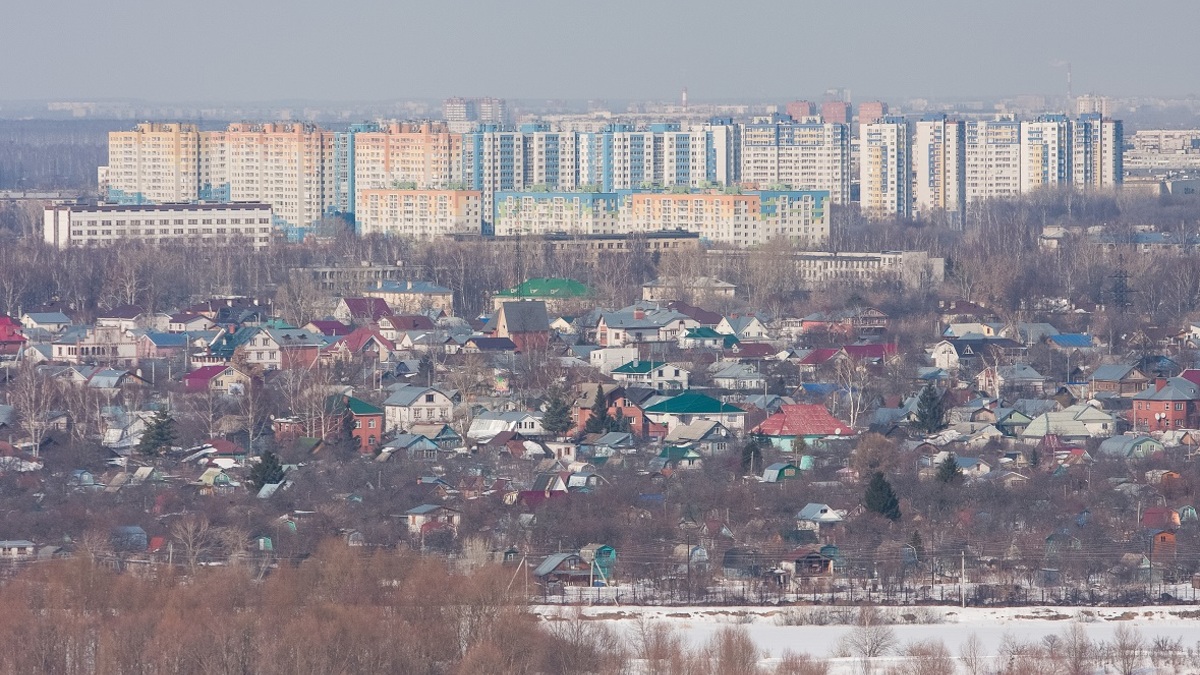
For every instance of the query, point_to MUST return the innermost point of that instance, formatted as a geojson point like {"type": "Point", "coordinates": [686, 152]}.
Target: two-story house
{"type": "Point", "coordinates": [410, 404]}
{"type": "Point", "coordinates": [658, 375]}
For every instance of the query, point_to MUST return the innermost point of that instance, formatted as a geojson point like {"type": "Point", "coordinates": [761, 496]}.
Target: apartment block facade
{"type": "Point", "coordinates": [812, 156]}
{"type": "Point", "coordinates": [419, 214]}
{"type": "Point", "coordinates": [245, 224]}
{"type": "Point", "coordinates": [939, 167]}
{"type": "Point", "coordinates": [885, 170]}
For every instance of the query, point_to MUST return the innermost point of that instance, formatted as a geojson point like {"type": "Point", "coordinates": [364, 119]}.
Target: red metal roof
{"type": "Point", "coordinates": [803, 419]}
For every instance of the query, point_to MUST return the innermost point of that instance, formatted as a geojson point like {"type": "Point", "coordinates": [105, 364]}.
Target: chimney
{"type": "Point", "coordinates": [1159, 383]}
{"type": "Point", "coordinates": [639, 314]}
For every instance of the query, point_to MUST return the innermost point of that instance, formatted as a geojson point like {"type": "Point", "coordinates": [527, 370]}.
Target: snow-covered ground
{"type": "Point", "coordinates": [990, 625]}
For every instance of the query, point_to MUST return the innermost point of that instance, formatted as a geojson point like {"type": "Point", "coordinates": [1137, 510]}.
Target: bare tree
{"type": "Point", "coordinates": [1125, 650]}
{"type": "Point", "coordinates": [34, 398]}
{"type": "Point", "coordinates": [196, 538]}
{"type": "Point", "coordinates": [972, 656]}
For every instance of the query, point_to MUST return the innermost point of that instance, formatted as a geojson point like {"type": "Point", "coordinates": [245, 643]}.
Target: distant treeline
{"type": "Point", "coordinates": [53, 154]}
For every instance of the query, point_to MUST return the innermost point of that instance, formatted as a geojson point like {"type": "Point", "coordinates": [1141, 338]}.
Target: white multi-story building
{"type": "Point", "coordinates": [1097, 156]}
{"type": "Point", "coordinates": [939, 167]}
{"type": "Point", "coordinates": [419, 214]}
{"type": "Point", "coordinates": [573, 213]}
{"type": "Point", "coordinates": [885, 172]}
{"type": "Point", "coordinates": [245, 224]}
{"type": "Point", "coordinates": [1045, 152]}
{"type": "Point", "coordinates": [777, 151]}
{"type": "Point", "coordinates": [993, 158]}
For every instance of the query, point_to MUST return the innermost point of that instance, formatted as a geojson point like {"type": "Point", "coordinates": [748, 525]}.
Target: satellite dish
{"type": "Point", "coordinates": [837, 431]}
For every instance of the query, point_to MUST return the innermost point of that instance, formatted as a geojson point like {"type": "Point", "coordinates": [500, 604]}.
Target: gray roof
{"type": "Point", "coordinates": [423, 509]}
{"type": "Point", "coordinates": [528, 316]}
{"type": "Point", "coordinates": [1112, 371]}
{"type": "Point", "coordinates": [819, 513]}
{"type": "Point", "coordinates": [48, 317]}
{"type": "Point", "coordinates": [1175, 389]}
{"type": "Point", "coordinates": [407, 395]}
{"type": "Point", "coordinates": [551, 562]}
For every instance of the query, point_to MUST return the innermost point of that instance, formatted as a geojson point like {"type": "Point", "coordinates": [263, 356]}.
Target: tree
{"type": "Point", "coordinates": [159, 434]}
{"type": "Point", "coordinates": [267, 471]}
{"type": "Point", "coordinates": [948, 470]}
{"type": "Point", "coordinates": [931, 411]}
{"type": "Point", "coordinates": [751, 456]}
{"type": "Point", "coordinates": [598, 421]}
{"type": "Point", "coordinates": [557, 418]}
{"type": "Point", "coordinates": [34, 397]}
{"type": "Point", "coordinates": [620, 422]}
{"type": "Point", "coordinates": [881, 499]}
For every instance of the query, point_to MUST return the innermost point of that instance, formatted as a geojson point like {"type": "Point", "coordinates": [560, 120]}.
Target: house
{"type": "Point", "coordinates": [189, 322]}
{"type": "Point", "coordinates": [428, 517]}
{"type": "Point", "coordinates": [1018, 377]}
{"type": "Point", "coordinates": [847, 323]}
{"type": "Point", "coordinates": [808, 562]}
{"type": "Point", "coordinates": [737, 376]}
{"type": "Point", "coordinates": [1073, 424]}
{"type": "Point", "coordinates": [489, 345]}
{"type": "Point", "coordinates": [366, 424]}
{"type": "Point", "coordinates": [365, 343]}
{"type": "Point", "coordinates": [266, 348]}
{"type": "Point", "coordinates": [691, 406]}
{"type": "Point", "coordinates": [360, 311]}
{"type": "Point", "coordinates": [217, 379]}
{"type": "Point", "coordinates": [779, 472]}
{"type": "Point", "coordinates": [214, 481]}
{"type": "Point", "coordinates": [489, 423]}
{"type": "Point", "coordinates": [705, 337]}
{"type": "Point", "coordinates": [641, 323]}
{"type": "Point", "coordinates": [746, 328]}
{"type": "Point", "coordinates": [50, 322]}
{"type": "Point", "coordinates": [413, 297]}
{"type": "Point", "coordinates": [443, 435]}
{"type": "Point", "coordinates": [414, 404]}
{"type": "Point", "coordinates": [1119, 379]}
{"type": "Point", "coordinates": [1170, 403]}
{"type": "Point", "coordinates": [809, 423]}
{"type": "Point", "coordinates": [624, 402]}
{"type": "Point", "coordinates": [600, 447]}
{"type": "Point", "coordinates": [691, 289]}
{"type": "Point", "coordinates": [705, 436]}
{"type": "Point", "coordinates": [1129, 447]}
{"type": "Point", "coordinates": [676, 457]}
{"type": "Point", "coordinates": [11, 338]}
{"type": "Point", "coordinates": [525, 323]}
{"type": "Point", "coordinates": [128, 539]}
{"type": "Point", "coordinates": [97, 344]}
{"type": "Point", "coordinates": [411, 446]}
{"type": "Point", "coordinates": [17, 549]}
{"type": "Point", "coordinates": [564, 569]}
{"type": "Point", "coordinates": [819, 517]}
{"type": "Point", "coordinates": [658, 375]}
{"type": "Point", "coordinates": [558, 294]}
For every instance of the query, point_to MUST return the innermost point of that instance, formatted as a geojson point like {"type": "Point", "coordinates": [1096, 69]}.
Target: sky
{"type": "Point", "coordinates": [354, 50]}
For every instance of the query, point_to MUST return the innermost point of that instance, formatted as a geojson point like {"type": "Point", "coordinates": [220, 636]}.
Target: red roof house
{"type": "Point", "coordinates": [808, 422]}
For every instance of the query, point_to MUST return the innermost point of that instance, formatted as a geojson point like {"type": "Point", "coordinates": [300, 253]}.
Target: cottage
{"type": "Point", "coordinates": [802, 423]}
{"type": "Point", "coordinates": [414, 404]}
{"type": "Point", "coordinates": [217, 379]}
{"type": "Point", "coordinates": [525, 323]}
{"type": "Point", "coordinates": [692, 406]}
{"type": "Point", "coordinates": [657, 375]}
{"type": "Point", "coordinates": [779, 472]}
{"type": "Point", "coordinates": [705, 436]}
{"type": "Point", "coordinates": [17, 549]}
{"type": "Point", "coordinates": [819, 517]}
{"type": "Point", "coordinates": [429, 517]}
{"type": "Point", "coordinates": [1118, 379]}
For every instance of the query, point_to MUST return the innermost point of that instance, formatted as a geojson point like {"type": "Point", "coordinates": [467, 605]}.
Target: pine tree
{"type": "Point", "coordinates": [881, 499]}
{"type": "Point", "coordinates": [267, 471]}
{"type": "Point", "coordinates": [557, 418]}
{"type": "Point", "coordinates": [948, 470]}
{"type": "Point", "coordinates": [917, 544]}
{"type": "Point", "coordinates": [159, 434]}
{"type": "Point", "coordinates": [619, 422]}
{"type": "Point", "coordinates": [599, 420]}
{"type": "Point", "coordinates": [751, 456]}
{"type": "Point", "coordinates": [931, 412]}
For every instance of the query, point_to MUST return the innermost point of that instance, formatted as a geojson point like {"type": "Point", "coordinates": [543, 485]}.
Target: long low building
{"type": "Point", "coordinates": [202, 224]}
{"type": "Point", "coordinates": [818, 269]}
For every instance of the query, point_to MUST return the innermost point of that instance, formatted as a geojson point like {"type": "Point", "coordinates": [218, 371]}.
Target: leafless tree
{"type": "Point", "coordinates": [33, 397]}
{"type": "Point", "coordinates": [1125, 651]}
{"type": "Point", "coordinates": [971, 654]}
{"type": "Point", "coordinates": [195, 537]}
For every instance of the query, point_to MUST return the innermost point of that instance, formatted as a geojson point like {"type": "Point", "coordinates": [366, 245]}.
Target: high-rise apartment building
{"type": "Point", "coordinates": [1097, 157]}
{"type": "Point", "coordinates": [885, 172]}
{"type": "Point", "coordinates": [993, 159]}
{"type": "Point", "coordinates": [836, 112]}
{"type": "Point", "coordinates": [415, 156]}
{"type": "Point", "coordinates": [870, 112]}
{"type": "Point", "coordinates": [465, 114]}
{"type": "Point", "coordinates": [154, 163]}
{"type": "Point", "coordinates": [1045, 152]}
{"type": "Point", "coordinates": [778, 151]}
{"type": "Point", "coordinates": [419, 214]}
{"type": "Point", "coordinates": [798, 110]}
{"type": "Point", "coordinates": [939, 167]}
{"type": "Point", "coordinates": [287, 165]}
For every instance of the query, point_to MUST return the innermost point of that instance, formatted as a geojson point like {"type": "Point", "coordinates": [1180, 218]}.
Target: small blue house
{"type": "Point", "coordinates": [603, 559]}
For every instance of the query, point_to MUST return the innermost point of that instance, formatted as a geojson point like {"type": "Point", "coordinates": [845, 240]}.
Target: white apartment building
{"type": "Point", "coordinates": [993, 158]}
{"type": "Point", "coordinates": [573, 213]}
{"type": "Point", "coordinates": [885, 172]}
{"type": "Point", "coordinates": [247, 224]}
{"type": "Point", "coordinates": [1045, 153]}
{"type": "Point", "coordinates": [776, 151]}
{"type": "Point", "coordinates": [419, 214]}
{"type": "Point", "coordinates": [414, 156]}
{"type": "Point", "coordinates": [289, 166]}
{"type": "Point", "coordinates": [939, 167]}
{"type": "Point", "coordinates": [1097, 156]}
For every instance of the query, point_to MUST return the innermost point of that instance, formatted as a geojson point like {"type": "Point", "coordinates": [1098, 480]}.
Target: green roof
{"type": "Point", "coordinates": [360, 407]}
{"type": "Point", "coordinates": [639, 367]}
{"type": "Point", "coordinates": [676, 453]}
{"type": "Point", "coordinates": [692, 403]}
{"type": "Point", "coordinates": [541, 288]}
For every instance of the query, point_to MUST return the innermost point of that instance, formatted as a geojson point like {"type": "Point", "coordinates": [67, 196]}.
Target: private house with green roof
{"type": "Point", "coordinates": [705, 337]}
{"type": "Point", "coordinates": [691, 406]}
{"type": "Point", "coordinates": [363, 420]}
{"type": "Point", "coordinates": [658, 375]}
{"type": "Point", "coordinates": [558, 294]}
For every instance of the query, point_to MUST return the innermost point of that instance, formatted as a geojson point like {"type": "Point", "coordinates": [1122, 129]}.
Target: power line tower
{"type": "Point", "coordinates": [1120, 290]}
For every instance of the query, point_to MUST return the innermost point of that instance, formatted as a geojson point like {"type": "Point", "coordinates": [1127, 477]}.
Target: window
{"type": "Point", "coordinates": [357, 424]}
{"type": "Point", "coordinates": [371, 423]}
{"type": "Point", "coordinates": [1179, 406]}
{"type": "Point", "coordinates": [429, 398]}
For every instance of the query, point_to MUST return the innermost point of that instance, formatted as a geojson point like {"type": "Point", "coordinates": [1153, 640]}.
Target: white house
{"type": "Point", "coordinates": [654, 374]}
{"type": "Point", "coordinates": [743, 327]}
{"type": "Point", "coordinates": [413, 404]}
{"type": "Point", "coordinates": [488, 424]}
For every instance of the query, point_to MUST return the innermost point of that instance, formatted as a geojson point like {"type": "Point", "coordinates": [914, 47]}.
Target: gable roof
{"type": "Point", "coordinates": [358, 406]}
{"type": "Point", "coordinates": [698, 314]}
{"type": "Point", "coordinates": [546, 287]}
{"type": "Point", "coordinates": [803, 419]}
{"type": "Point", "coordinates": [528, 316]}
{"type": "Point", "coordinates": [1174, 389]}
{"type": "Point", "coordinates": [366, 308]}
{"type": "Point", "coordinates": [330, 327]}
{"type": "Point", "coordinates": [638, 367]}
{"type": "Point", "coordinates": [409, 321]}
{"type": "Point", "coordinates": [694, 403]}
{"type": "Point", "coordinates": [1116, 372]}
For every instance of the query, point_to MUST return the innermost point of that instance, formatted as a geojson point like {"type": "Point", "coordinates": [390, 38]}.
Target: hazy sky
{"type": "Point", "coordinates": [257, 50]}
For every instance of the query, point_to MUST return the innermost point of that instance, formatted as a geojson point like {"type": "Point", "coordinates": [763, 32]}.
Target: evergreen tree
{"type": "Point", "coordinates": [557, 418]}
{"type": "Point", "coordinates": [917, 543]}
{"type": "Point", "coordinates": [881, 499]}
{"type": "Point", "coordinates": [931, 412]}
{"type": "Point", "coordinates": [751, 456]}
{"type": "Point", "coordinates": [948, 470]}
{"type": "Point", "coordinates": [599, 420]}
{"type": "Point", "coordinates": [267, 471]}
{"type": "Point", "coordinates": [159, 434]}
{"type": "Point", "coordinates": [619, 422]}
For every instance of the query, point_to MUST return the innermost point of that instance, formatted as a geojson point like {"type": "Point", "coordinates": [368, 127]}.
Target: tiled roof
{"type": "Point", "coordinates": [803, 419]}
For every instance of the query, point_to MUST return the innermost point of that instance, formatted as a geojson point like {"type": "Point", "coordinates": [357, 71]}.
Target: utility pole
{"type": "Point", "coordinates": [962, 580]}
